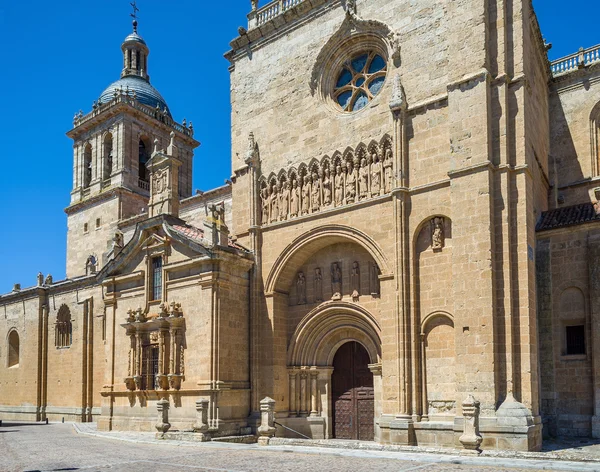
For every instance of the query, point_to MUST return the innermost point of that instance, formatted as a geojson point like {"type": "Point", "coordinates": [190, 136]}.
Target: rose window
{"type": "Point", "coordinates": [360, 80]}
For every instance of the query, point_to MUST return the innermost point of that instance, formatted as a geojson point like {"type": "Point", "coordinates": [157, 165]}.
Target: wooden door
{"type": "Point", "coordinates": [353, 394]}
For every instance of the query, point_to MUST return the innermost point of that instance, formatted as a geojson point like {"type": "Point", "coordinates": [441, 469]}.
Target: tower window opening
{"type": "Point", "coordinates": [143, 159]}
{"type": "Point", "coordinates": [156, 280]}
{"type": "Point", "coordinates": [129, 59]}
{"type": "Point", "coordinates": [108, 157]}
{"type": "Point", "coordinates": [87, 166]}
{"type": "Point", "coordinates": [137, 61]}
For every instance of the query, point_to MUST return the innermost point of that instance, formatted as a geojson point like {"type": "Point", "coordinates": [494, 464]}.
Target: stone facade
{"type": "Point", "coordinates": [411, 178]}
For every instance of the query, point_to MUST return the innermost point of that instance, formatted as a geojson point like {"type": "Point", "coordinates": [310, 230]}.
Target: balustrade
{"type": "Point", "coordinates": [582, 58]}
{"type": "Point", "coordinates": [273, 9]}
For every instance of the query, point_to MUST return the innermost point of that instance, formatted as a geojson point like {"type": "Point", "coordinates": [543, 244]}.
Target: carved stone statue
{"type": "Point", "coordinates": [284, 202]}
{"type": "Point", "coordinates": [318, 285]}
{"type": "Point", "coordinates": [351, 179]}
{"type": "Point", "coordinates": [40, 279]}
{"type": "Point", "coordinates": [355, 281]}
{"type": "Point", "coordinates": [294, 199]}
{"type": "Point", "coordinates": [388, 170]}
{"type": "Point", "coordinates": [48, 280]}
{"type": "Point", "coordinates": [316, 193]}
{"type": "Point", "coordinates": [376, 169]}
{"type": "Point", "coordinates": [265, 206]}
{"type": "Point", "coordinates": [437, 234]}
{"type": "Point", "coordinates": [306, 190]}
{"type": "Point", "coordinates": [363, 182]}
{"type": "Point", "coordinates": [336, 281]}
{"type": "Point", "coordinates": [374, 279]}
{"type": "Point", "coordinates": [327, 188]}
{"type": "Point", "coordinates": [301, 288]}
{"type": "Point", "coordinates": [275, 204]}
{"type": "Point", "coordinates": [118, 243]}
{"type": "Point", "coordinates": [90, 265]}
{"type": "Point", "coordinates": [339, 186]}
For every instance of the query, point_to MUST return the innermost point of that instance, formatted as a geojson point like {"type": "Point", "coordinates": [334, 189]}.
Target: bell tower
{"type": "Point", "coordinates": [112, 145]}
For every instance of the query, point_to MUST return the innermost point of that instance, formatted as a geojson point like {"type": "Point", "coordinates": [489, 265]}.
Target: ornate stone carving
{"type": "Point", "coordinates": [374, 279]}
{"type": "Point", "coordinates": [351, 181]}
{"type": "Point", "coordinates": [398, 100]}
{"type": "Point", "coordinates": [301, 288]}
{"type": "Point", "coordinates": [264, 201]}
{"type": "Point", "coordinates": [118, 243]}
{"type": "Point", "coordinates": [284, 202]}
{"type": "Point", "coordinates": [318, 285]}
{"type": "Point", "coordinates": [294, 199]}
{"type": "Point", "coordinates": [306, 191]}
{"type": "Point", "coordinates": [40, 279]}
{"type": "Point", "coordinates": [388, 170]}
{"type": "Point", "coordinates": [376, 174]}
{"type": "Point", "coordinates": [339, 186]}
{"type": "Point", "coordinates": [48, 280]}
{"type": "Point", "coordinates": [316, 193]}
{"type": "Point", "coordinates": [90, 265]}
{"type": "Point", "coordinates": [363, 182]}
{"type": "Point", "coordinates": [274, 204]}
{"type": "Point", "coordinates": [343, 179]}
{"type": "Point", "coordinates": [327, 187]}
{"type": "Point", "coordinates": [355, 281]}
{"type": "Point", "coordinates": [437, 234]}
{"type": "Point", "coordinates": [336, 281]}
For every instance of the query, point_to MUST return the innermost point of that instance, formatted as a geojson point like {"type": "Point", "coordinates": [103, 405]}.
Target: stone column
{"type": "Point", "coordinates": [292, 408]}
{"type": "Point", "coordinates": [267, 428]}
{"type": "Point", "coordinates": [138, 361]}
{"type": "Point", "coordinates": [313, 393]}
{"type": "Point", "coordinates": [303, 400]}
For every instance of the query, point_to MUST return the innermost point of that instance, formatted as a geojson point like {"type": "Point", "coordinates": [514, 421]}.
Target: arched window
{"type": "Point", "coordinates": [87, 166]}
{"type": "Point", "coordinates": [13, 349]}
{"type": "Point", "coordinates": [108, 157]}
{"type": "Point", "coordinates": [137, 61]}
{"type": "Point", "coordinates": [144, 156]}
{"type": "Point", "coordinates": [64, 328]}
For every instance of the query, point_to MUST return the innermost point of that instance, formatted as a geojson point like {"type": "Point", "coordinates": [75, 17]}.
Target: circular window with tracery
{"type": "Point", "coordinates": [359, 81]}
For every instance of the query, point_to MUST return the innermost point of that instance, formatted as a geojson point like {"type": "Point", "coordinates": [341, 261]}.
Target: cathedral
{"type": "Point", "coordinates": [410, 235]}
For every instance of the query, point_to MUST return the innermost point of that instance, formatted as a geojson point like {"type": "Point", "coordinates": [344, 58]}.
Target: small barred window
{"type": "Point", "coordinates": [359, 81]}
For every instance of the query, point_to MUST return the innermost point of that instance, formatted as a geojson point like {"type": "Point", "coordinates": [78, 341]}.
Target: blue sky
{"type": "Point", "coordinates": [57, 57]}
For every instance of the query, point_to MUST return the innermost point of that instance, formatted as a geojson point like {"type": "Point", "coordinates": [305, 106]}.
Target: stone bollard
{"type": "Point", "coordinates": [266, 430]}
{"type": "Point", "coordinates": [471, 439]}
{"type": "Point", "coordinates": [201, 425]}
{"type": "Point", "coordinates": [162, 426]}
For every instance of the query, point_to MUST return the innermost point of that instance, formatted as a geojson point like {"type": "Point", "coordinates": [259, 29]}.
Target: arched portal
{"type": "Point", "coordinates": [353, 393]}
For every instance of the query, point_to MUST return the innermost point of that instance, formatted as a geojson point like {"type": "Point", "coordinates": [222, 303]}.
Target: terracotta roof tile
{"type": "Point", "coordinates": [568, 216]}
{"type": "Point", "coordinates": [191, 232]}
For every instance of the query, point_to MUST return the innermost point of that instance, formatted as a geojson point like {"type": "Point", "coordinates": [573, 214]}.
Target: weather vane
{"type": "Point", "coordinates": [135, 10]}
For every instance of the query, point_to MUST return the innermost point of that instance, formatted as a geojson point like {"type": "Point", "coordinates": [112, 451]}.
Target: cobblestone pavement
{"type": "Point", "coordinates": [59, 447]}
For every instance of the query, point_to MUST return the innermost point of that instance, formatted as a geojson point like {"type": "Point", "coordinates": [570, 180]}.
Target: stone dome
{"type": "Point", "coordinates": [145, 92]}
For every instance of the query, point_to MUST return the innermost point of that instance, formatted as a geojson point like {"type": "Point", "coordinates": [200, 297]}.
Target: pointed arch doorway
{"type": "Point", "coordinates": [353, 393]}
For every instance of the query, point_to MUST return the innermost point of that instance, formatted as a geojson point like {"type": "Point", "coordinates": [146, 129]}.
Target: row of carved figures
{"type": "Point", "coordinates": [352, 180]}
{"type": "Point", "coordinates": [336, 283]}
